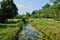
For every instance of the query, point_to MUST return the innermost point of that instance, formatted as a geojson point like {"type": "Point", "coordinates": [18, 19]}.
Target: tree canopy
{"type": "Point", "coordinates": [55, 1]}
{"type": "Point", "coordinates": [48, 11]}
{"type": "Point", "coordinates": [9, 9]}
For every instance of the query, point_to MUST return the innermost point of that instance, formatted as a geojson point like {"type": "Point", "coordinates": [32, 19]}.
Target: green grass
{"type": "Point", "coordinates": [50, 30]}
{"type": "Point", "coordinates": [12, 21]}
{"type": "Point", "coordinates": [8, 33]}
{"type": "Point", "coordinates": [8, 30]}
{"type": "Point", "coordinates": [7, 25]}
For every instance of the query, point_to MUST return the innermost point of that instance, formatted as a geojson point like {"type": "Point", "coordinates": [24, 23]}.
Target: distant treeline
{"type": "Point", "coordinates": [47, 11]}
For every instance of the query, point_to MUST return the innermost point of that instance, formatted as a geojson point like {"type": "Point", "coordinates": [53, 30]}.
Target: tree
{"type": "Point", "coordinates": [34, 13]}
{"type": "Point", "coordinates": [9, 9]}
{"type": "Point", "coordinates": [18, 17]}
{"type": "Point", "coordinates": [1, 14]}
{"type": "Point", "coordinates": [55, 1]}
{"type": "Point", "coordinates": [46, 6]}
{"type": "Point", "coordinates": [28, 14]}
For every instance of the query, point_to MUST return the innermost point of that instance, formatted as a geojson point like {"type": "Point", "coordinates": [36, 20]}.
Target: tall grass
{"type": "Point", "coordinates": [8, 29]}
{"type": "Point", "coordinates": [50, 30]}
{"type": "Point", "coordinates": [7, 33]}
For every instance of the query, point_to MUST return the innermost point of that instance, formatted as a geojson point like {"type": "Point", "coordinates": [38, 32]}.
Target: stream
{"type": "Point", "coordinates": [30, 33]}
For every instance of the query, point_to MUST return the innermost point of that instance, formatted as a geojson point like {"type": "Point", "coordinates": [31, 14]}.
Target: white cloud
{"type": "Point", "coordinates": [20, 6]}
{"type": "Point", "coordinates": [23, 8]}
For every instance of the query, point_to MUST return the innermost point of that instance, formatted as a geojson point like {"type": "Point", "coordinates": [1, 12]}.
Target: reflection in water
{"type": "Point", "coordinates": [29, 33]}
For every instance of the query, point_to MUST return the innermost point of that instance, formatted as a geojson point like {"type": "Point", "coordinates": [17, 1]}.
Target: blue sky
{"type": "Point", "coordinates": [29, 5]}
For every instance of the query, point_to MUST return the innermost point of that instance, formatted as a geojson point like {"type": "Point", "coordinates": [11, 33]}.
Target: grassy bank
{"type": "Point", "coordinates": [9, 29]}
{"type": "Point", "coordinates": [49, 30]}
{"type": "Point", "coordinates": [7, 33]}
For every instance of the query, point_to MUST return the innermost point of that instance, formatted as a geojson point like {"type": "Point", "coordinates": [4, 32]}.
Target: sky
{"type": "Point", "coordinates": [29, 5]}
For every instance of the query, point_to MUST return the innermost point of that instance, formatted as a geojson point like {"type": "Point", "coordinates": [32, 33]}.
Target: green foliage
{"type": "Point", "coordinates": [8, 31]}
{"type": "Point", "coordinates": [35, 14]}
{"type": "Point", "coordinates": [48, 11]}
{"type": "Point", "coordinates": [46, 6]}
{"type": "Point", "coordinates": [9, 9]}
{"type": "Point", "coordinates": [18, 17]}
{"type": "Point", "coordinates": [28, 14]}
{"type": "Point", "coordinates": [55, 1]}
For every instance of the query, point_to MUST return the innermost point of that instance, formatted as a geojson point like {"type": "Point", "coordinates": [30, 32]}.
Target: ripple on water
{"type": "Point", "coordinates": [29, 34]}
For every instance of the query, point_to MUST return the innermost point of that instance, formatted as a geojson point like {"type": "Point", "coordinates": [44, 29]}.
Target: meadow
{"type": "Point", "coordinates": [9, 29]}
{"type": "Point", "coordinates": [49, 29]}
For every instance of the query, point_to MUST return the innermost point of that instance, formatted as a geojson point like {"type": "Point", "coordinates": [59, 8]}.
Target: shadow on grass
{"type": "Point", "coordinates": [3, 26]}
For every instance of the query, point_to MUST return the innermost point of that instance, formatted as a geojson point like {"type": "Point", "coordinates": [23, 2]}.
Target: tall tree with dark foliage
{"type": "Point", "coordinates": [9, 10]}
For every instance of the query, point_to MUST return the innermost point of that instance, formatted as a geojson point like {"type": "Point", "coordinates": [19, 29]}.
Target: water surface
{"type": "Point", "coordinates": [30, 33]}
